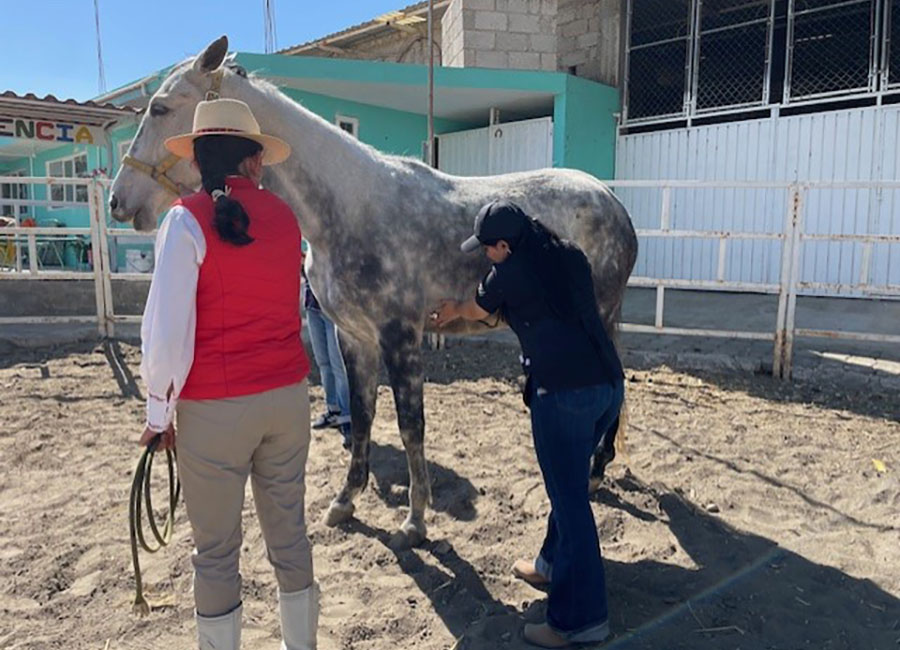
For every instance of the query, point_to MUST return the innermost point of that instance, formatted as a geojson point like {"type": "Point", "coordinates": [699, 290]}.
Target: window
{"type": "Point", "coordinates": [690, 58]}
{"type": "Point", "coordinates": [348, 124]}
{"type": "Point", "coordinates": [72, 167]}
{"type": "Point", "coordinates": [13, 191]}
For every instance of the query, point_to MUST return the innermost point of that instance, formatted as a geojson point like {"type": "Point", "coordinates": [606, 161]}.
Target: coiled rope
{"type": "Point", "coordinates": [140, 487]}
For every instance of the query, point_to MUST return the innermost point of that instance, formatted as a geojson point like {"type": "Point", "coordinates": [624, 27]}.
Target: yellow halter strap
{"type": "Point", "coordinates": [158, 172]}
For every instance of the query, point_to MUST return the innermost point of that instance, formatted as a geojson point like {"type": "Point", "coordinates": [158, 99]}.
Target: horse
{"type": "Point", "coordinates": [384, 232]}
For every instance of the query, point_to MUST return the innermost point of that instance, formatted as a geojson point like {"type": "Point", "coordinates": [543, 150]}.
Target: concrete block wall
{"type": "Point", "coordinates": [452, 35]}
{"type": "Point", "coordinates": [589, 36]}
{"type": "Point", "coordinates": [518, 34]}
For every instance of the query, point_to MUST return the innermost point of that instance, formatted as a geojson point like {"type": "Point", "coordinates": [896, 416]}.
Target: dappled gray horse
{"type": "Point", "coordinates": [385, 234]}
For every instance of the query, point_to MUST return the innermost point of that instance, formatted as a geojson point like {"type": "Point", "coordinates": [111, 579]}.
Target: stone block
{"type": "Point", "coordinates": [588, 40]}
{"type": "Point", "coordinates": [574, 29]}
{"type": "Point", "coordinates": [525, 60]}
{"type": "Point", "coordinates": [549, 7]}
{"type": "Point", "coordinates": [480, 5]}
{"type": "Point", "coordinates": [482, 40]}
{"type": "Point", "coordinates": [547, 24]}
{"type": "Point", "coordinates": [468, 19]}
{"type": "Point", "coordinates": [543, 43]}
{"type": "Point", "coordinates": [512, 42]}
{"type": "Point", "coordinates": [514, 6]}
{"type": "Point", "coordinates": [492, 21]}
{"type": "Point", "coordinates": [548, 61]}
{"type": "Point", "coordinates": [524, 23]}
{"type": "Point", "coordinates": [566, 15]}
{"type": "Point", "coordinates": [491, 59]}
{"type": "Point", "coordinates": [568, 59]}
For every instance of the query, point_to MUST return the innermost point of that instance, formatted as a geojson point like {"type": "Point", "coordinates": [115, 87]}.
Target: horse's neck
{"type": "Point", "coordinates": [321, 179]}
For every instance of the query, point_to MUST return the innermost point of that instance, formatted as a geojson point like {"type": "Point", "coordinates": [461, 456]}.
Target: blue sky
{"type": "Point", "coordinates": [50, 45]}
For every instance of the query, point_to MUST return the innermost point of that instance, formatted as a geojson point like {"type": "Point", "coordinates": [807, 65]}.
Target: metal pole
{"type": "Point", "coordinates": [437, 340]}
{"type": "Point", "coordinates": [430, 148]}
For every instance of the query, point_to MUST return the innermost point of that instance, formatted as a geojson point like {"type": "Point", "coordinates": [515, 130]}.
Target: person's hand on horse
{"type": "Point", "coordinates": [446, 312]}
{"type": "Point", "coordinates": [167, 437]}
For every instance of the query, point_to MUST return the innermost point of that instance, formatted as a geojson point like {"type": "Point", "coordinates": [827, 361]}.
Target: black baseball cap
{"type": "Point", "coordinates": [495, 221]}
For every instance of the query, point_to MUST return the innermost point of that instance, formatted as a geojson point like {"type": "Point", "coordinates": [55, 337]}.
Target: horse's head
{"type": "Point", "coordinates": [151, 178]}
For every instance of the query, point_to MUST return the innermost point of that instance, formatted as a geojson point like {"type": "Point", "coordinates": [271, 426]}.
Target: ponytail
{"type": "Point", "coordinates": [218, 156]}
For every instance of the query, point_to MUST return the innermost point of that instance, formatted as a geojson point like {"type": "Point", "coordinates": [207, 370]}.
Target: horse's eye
{"type": "Point", "coordinates": [157, 110]}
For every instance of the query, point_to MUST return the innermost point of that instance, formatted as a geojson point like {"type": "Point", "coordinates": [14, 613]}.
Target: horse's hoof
{"type": "Point", "coordinates": [338, 513]}
{"type": "Point", "coordinates": [411, 534]}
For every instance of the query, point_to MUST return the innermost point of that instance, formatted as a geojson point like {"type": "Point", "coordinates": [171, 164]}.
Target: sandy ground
{"type": "Point", "coordinates": [750, 515]}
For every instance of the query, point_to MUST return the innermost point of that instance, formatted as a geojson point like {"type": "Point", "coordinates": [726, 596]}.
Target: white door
{"type": "Point", "coordinates": [498, 149]}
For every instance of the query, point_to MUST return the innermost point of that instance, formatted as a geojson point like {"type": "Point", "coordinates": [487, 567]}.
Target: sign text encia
{"type": "Point", "coordinates": [17, 127]}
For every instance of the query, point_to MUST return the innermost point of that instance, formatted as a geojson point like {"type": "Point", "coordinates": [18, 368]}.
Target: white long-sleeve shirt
{"type": "Point", "coordinates": [170, 314]}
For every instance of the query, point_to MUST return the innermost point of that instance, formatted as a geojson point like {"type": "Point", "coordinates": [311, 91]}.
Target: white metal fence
{"type": "Point", "coordinates": [26, 250]}
{"type": "Point", "coordinates": [780, 246]}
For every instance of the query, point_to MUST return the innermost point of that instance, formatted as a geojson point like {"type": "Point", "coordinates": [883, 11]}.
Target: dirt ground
{"type": "Point", "coordinates": [750, 514]}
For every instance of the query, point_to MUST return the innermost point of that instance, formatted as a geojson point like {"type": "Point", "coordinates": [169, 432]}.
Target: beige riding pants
{"type": "Point", "coordinates": [222, 442]}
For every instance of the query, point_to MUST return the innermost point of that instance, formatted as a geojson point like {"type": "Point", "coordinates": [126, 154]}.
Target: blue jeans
{"type": "Point", "coordinates": [323, 336]}
{"type": "Point", "coordinates": [568, 425]}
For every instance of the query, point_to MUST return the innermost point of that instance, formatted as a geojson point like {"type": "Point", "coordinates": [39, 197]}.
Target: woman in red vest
{"type": "Point", "coordinates": [221, 339]}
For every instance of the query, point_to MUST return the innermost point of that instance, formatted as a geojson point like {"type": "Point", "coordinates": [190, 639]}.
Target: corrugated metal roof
{"type": "Point", "coordinates": [70, 102]}
{"type": "Point", "coordinates": [367, 29]}
{"type": "Point", "coordinates": [50, 108]}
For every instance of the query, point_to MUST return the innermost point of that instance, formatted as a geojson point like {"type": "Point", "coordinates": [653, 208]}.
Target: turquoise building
{"type": "Point", "coordinates": [383, 104]}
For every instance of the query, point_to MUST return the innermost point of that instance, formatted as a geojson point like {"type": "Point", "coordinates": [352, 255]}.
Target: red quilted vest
{"type": "Point", "coordinates": [248, 300]}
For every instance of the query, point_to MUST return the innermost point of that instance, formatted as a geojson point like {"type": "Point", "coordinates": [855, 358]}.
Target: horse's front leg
{"type": "Point", "coordinates": [361, 360]}
{"type": "Point", "coordinates": [402, 354]}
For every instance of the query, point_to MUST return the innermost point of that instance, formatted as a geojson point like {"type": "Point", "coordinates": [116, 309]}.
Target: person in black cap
{"type": "Point", "coordinates": [542, 286]}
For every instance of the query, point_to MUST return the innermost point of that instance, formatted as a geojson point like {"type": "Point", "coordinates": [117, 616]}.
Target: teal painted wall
{"type": "Point", "coordinates": [584, 121]}
{"type": "Point", "coordinates": [585, 128]}
{"type": "Point", "coordinates": [389, 131]}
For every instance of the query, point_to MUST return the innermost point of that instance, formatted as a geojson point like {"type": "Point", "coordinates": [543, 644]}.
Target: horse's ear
{"type": "Point", "coordinates": [212, 57]}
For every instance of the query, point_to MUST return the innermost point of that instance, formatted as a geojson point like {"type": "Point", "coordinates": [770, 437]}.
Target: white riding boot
{"type": "Point", "coordinates": [299, 618]}
{"type": "Point", "coordinates": [220, 632]}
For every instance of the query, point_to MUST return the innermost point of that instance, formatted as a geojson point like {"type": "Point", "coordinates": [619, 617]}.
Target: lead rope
{"type": "Point", "coordinates": [141, 484]}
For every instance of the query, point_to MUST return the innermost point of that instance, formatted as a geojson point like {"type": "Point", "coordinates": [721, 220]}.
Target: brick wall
{"type": "Point", "coordinates": [588, 34]}
{"type": "Point", "coordinates": [518, 34]}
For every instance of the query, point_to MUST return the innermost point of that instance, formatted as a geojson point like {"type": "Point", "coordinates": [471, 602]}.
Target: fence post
{"type": "Point", "coordinates": [32, 255]}
{"type": "Point", "coordinates": [97, 258]}
{"type": "Point", "coordinates": [782, 366]}
{"type": "Point", "coordinates": [797, 202]}
{"type": "Point", "coordinates": [109, 313]}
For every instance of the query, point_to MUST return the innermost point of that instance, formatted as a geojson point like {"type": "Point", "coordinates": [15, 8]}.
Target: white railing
{"type": "Point", "coordinates": [791, 237]}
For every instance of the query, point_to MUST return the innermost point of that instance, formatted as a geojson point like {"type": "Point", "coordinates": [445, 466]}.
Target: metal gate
{"type": "Point", "coordinates": [859, 145]}
{"type": "Point", "coordinates": [498, 149]}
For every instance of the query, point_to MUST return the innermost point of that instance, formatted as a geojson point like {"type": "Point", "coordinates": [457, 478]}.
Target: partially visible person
{"type": "Point", "coordinates": [327, 353]}
{"type": "Point", "coordinates": [221, 353]}
{"type": "Point", "coordinates": [543, 288]}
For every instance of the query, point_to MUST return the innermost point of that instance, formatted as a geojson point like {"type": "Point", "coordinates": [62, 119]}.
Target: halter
{"type": "Point", "coordinates": [158, 172]}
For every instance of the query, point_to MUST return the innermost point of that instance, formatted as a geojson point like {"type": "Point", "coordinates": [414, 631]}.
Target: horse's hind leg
{"type": "Point", "coordinates": [361, 360]}
{"type": "Point", "coordinates": [401, 350]}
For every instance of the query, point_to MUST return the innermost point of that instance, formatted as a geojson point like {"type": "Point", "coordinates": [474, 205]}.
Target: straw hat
{"type": "Point", "coordinates": [228, 117]}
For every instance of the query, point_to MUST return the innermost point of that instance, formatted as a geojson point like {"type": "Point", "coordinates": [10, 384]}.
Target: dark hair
{"type": "Point", "coordinates": [544, 250]}
{"type": "Point", "coordinates": [218, 156]}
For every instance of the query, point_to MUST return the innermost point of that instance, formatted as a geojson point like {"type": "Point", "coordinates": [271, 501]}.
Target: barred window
{"type": "Point", "coordinates": [659, 49]}
{"type": "Point", "coordinates": [830, 47]}
{"type": "Point", "coordinates": [733, 53]}
{"type": "Point", "coordinates": [694, 57]}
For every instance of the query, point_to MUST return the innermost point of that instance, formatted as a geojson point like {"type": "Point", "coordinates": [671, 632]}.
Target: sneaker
{"type": "Point", "coordinates": [345, 433]}
{"type": "Point", "coordinates": [326, 420]}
